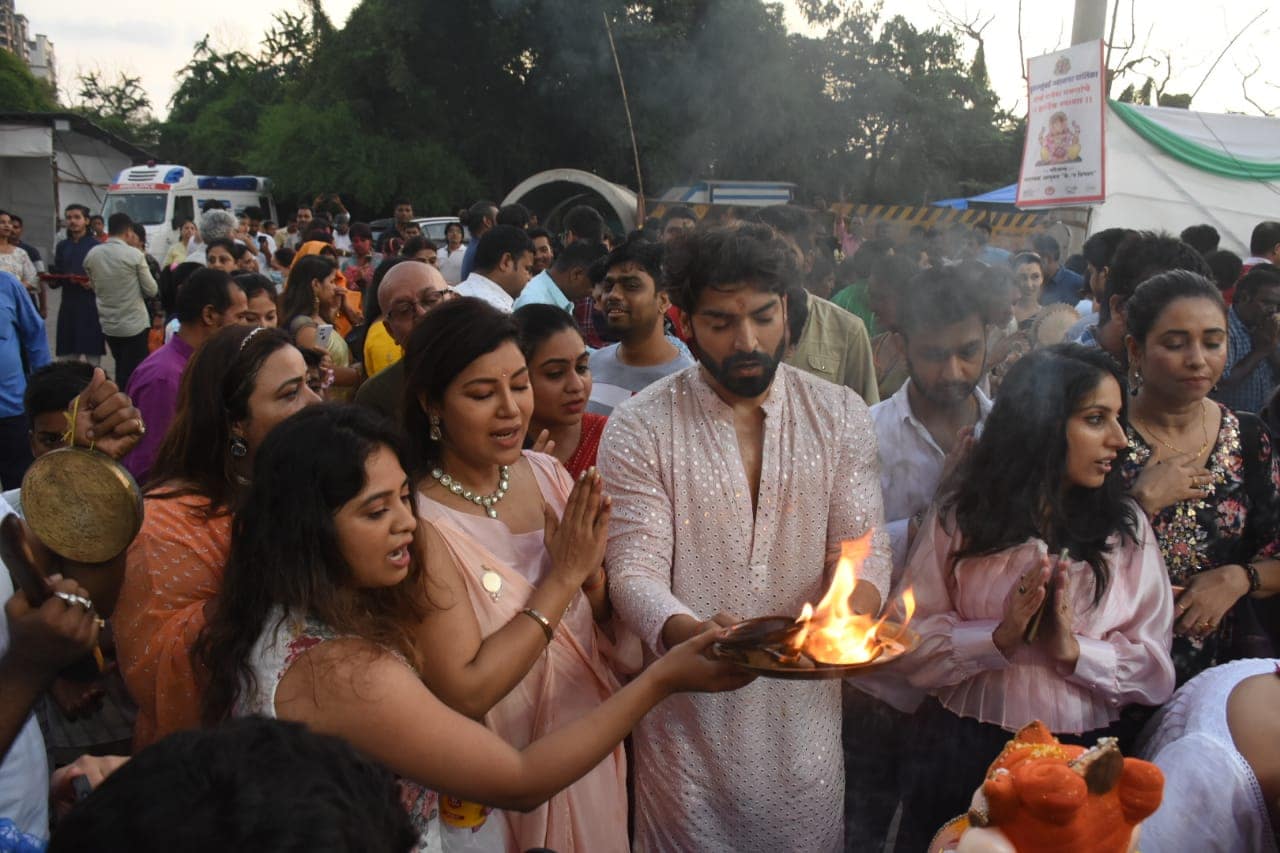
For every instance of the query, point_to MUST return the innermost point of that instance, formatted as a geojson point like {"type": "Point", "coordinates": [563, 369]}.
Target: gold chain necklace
{"type": "Point", "coordinates": [1204, 429]}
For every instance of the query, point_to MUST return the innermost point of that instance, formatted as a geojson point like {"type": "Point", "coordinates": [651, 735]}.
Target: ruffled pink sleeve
{"type": "Point", "coordinates": [1124, 649]}
{"type": "Point", "coordinates": [952, 649]}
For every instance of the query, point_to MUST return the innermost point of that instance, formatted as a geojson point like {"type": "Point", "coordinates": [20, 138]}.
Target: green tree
{"type": "Point", "coordinates": [919, 122]}
{"type": "Point", "coordinates": [447, 101]}
{"type": "Point", "coordinates": [121, 107]}
{"type": "Point", "coordinates": [20, 91]}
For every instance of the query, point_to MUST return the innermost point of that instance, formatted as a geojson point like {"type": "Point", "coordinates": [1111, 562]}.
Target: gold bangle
{"type": "Point", "coordinates": [542, 623]}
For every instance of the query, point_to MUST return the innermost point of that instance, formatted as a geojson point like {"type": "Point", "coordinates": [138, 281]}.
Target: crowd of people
{"type": "Point", "coordinates": [455, 526]}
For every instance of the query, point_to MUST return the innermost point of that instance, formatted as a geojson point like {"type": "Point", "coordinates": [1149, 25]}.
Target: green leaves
{"type": "Point", "coordinates": [446, 102]}
{"type": "Point", "coordinates": [19, 90]}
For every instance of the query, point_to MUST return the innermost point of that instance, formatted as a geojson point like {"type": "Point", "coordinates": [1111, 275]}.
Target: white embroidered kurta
{"type": "Point", "coordinates": [1212, 800]}
{"type": "Point", "coordinates": [761, 768]}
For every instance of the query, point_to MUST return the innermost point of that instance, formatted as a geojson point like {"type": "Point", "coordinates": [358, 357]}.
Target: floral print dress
{"type": "Point", "coordinates": [282, 642]}
{"type": "Point", "coordinates": [1237, 523]}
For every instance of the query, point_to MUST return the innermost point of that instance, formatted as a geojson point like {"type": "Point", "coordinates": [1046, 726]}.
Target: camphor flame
{"type": "Point", "coordinates": [832, 633]}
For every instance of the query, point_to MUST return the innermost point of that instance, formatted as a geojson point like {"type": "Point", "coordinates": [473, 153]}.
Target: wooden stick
{"type": "Point", "coordinates": [626, 107]}
{"type": "Point", "coordinates": [1033, 627]}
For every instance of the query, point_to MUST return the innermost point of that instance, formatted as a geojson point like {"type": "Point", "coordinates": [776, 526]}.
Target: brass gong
{"type": "Point", "coordinates": [84, 505]}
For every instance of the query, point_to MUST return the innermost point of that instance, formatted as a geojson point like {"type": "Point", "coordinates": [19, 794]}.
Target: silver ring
{"type": "Point", "coordinates": [72, 599]}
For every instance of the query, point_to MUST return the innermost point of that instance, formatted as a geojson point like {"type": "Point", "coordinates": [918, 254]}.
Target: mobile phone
{"type": "Point", "coordinates": [17, 557]}
{"type": "Point", "coordinates": [15, 551]}
{"type": "Point", "coordinates": [323, 333]}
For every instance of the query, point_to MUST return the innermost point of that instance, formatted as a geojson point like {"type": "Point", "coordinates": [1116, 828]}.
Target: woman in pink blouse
{"type": "Point", "coordinates": [1043, 478]}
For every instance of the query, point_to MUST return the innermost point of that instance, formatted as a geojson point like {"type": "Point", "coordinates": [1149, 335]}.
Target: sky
{"type": "Point", "coordinates": [154, 40]}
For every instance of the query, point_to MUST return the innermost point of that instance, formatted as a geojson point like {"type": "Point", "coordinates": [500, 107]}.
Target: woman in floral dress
{"type": "Point", "coordinates": [1208, 477]}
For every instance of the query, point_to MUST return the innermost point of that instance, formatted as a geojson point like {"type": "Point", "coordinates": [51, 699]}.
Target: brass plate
{"type": "Point", "coordinates": [83, 505]}
{"type": "Point", "coordinates": [753, 645]}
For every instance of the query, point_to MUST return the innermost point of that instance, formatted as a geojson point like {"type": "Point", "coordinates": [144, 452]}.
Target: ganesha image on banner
{"type": "Point", "coordinates": [1059, 141]}
{"type": "Point", "coordinates": [1041, 796]}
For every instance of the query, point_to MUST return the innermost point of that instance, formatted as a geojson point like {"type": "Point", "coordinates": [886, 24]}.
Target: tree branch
{"type": "Point", "coordinates": [1022, 59]}
{"type": "Point", "coordinates": [1244, 90]}
{"type": "Point", "coordinates": [1234, 39]}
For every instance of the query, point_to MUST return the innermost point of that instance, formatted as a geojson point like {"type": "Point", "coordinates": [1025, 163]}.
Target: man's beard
{"type": "Point", "coordinates": [944, 394]}
{"type": "Point", "coordinates": [746, 387]}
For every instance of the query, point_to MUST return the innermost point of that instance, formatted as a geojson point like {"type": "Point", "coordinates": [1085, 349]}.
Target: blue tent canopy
{"type": "Point", "coordinates": [1004, 195]}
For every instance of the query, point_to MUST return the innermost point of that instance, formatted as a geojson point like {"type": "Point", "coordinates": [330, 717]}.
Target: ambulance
{"type": "Point", "coordinates": [163, 196]}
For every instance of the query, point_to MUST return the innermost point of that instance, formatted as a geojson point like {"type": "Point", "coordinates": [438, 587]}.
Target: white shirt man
{"type": "Point", "coordinates": [933, 413]}
{"type": "Point", "coordinates": [734, 483]}
{"type": "Point", "coordinates": [504, 261]}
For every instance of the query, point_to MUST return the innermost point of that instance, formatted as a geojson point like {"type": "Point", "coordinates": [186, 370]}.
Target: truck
{"type": "Point", "coordinates": [163, 196]}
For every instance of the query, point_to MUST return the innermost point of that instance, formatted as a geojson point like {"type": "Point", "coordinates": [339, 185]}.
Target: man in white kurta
{"type": "Point", "coordinates": [761, 768]}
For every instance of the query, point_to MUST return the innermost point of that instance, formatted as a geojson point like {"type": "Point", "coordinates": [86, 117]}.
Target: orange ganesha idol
{"type": "Point", "coordinates": [1041, 796]}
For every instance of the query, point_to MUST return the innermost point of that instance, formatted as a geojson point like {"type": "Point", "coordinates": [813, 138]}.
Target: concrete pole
{"type": "Point", "coordinates": [1090, 21]}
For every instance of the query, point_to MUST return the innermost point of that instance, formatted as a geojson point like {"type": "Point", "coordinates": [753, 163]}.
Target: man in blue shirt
{"type": "Point", "coordinates": [481, 216]}
{"type": "Point", "coordinates": [23, 348]}
{"type": "Point", "coordinates": [1253, 346]}
{"type": "Point", "coordinates": [1063, 285]}
{"type": "Point", "coordinates": [567, 280]}
{"type": "Point", "coordinates": [992, 256]}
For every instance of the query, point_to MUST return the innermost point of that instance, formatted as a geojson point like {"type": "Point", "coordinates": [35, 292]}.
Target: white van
{"type": "Point", "coordinates": [161, 197]}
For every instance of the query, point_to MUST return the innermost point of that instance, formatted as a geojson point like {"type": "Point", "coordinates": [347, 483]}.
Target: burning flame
{"type": "Point", "coordinates": [832, 633]}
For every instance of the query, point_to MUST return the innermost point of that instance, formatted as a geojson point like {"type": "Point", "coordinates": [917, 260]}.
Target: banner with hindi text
{"type": "Point", "coordinates": [1064, 158]}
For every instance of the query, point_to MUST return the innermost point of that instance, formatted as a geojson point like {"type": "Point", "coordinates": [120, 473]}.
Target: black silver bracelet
{"type": "Point", "coordinates": [1255, 579]}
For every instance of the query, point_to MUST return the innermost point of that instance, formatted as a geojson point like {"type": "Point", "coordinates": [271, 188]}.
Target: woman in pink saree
{"type": "Point", "coordinates": [519, 633]}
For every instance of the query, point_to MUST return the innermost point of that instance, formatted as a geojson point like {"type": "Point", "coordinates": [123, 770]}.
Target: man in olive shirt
{"type": "Point", "coordinates": [831, 343]}
{"type": "Point", "coordinates": [826, 340]}
{"type": "Point", "coordinates": [407, 293]}
{"type": "Point", "coordinates": [122, 282]}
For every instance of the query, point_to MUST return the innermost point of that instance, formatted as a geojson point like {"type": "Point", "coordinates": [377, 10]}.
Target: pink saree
{"type": "Point", "coordinates": [570, 679]}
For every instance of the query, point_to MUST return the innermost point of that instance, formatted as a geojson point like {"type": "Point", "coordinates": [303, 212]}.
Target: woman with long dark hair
{"type": "Point", "coordinates": [311, 298]}
{"type": "Point", "coordinates": [1043, 479]}
{"type": "Point", "coordinates": [236, 388]}
{"type": "Point", "coordinates": [318, 623]}
{"type": "Point", "coordinates": [560, 372]}
{"type": "Point", "coordinates": [1208, 477]}
{"type": "Point", "coordinates": [521, 636]}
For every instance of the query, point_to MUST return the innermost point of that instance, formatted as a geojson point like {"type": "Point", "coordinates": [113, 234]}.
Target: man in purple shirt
{"type": "Point", "coordinates": [207, 301]}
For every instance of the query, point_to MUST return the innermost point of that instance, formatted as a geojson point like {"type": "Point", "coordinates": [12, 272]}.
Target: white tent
{"type": "Point", "coordinates": [1170, 168]}
{"type": "Point", "coordinates": [51, 160]}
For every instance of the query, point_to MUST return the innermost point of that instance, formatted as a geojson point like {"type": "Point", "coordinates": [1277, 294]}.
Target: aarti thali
{"type": "Point", "coordinates": [767, 647]}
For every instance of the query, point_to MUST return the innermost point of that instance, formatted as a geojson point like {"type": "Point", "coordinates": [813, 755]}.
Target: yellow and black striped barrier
{"type": "Point", "coordinates": [1006, 228]}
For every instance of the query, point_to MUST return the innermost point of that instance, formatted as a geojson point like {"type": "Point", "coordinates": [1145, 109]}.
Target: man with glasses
{"type": "Point", "coordinates": [407, 293]}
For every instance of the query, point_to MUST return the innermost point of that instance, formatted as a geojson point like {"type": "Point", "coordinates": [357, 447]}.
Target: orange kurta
{"type": "Point", "coordinates": [173, 569]}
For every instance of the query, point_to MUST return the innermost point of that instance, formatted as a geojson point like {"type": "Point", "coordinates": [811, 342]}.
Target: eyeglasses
{"type": "Point", "coordinates": [426, 301]}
